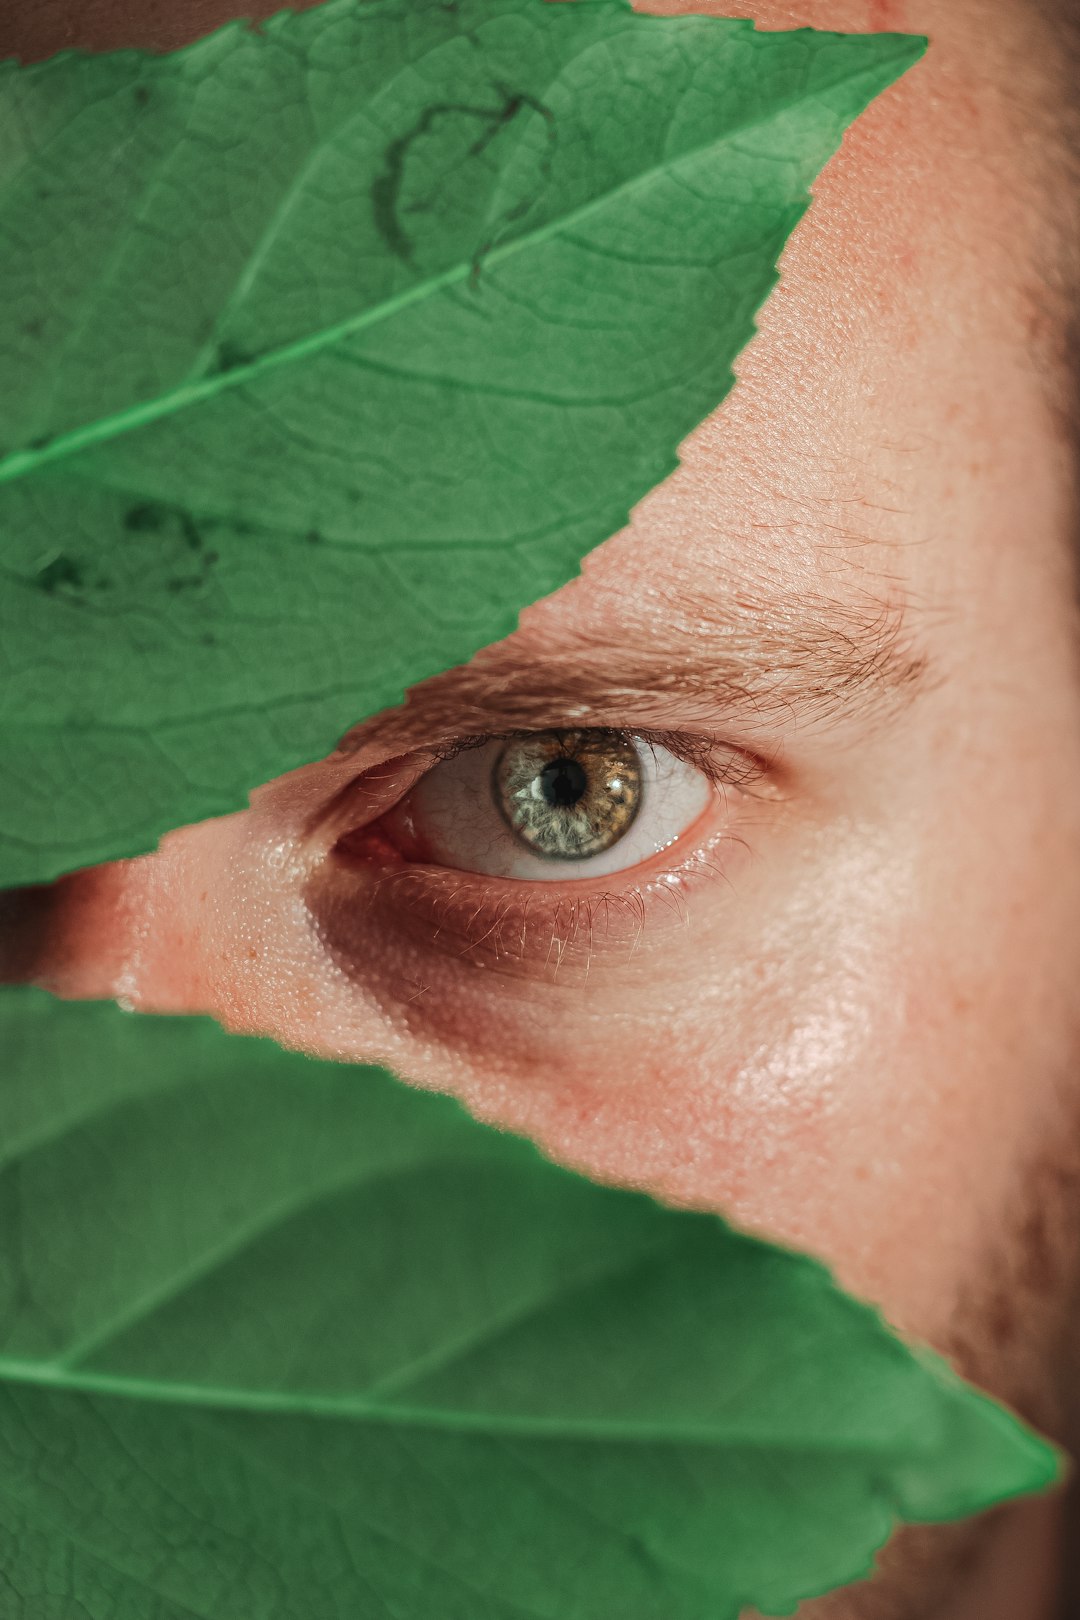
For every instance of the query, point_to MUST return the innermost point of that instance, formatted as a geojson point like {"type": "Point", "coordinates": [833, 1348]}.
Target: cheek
{"type": "Point", "coordinates": [893, 1118]}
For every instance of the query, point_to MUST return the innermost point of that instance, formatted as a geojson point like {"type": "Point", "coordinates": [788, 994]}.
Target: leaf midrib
{"type": "Point", "coordinates": [208, 1398]}
{"type": "Point", "coordinates": [23, 462]}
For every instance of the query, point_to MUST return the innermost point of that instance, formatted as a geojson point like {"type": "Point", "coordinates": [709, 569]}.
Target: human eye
{"type": "Point", "coordinates": [565, 804]}
{"type": "Point", "coordinates": [527, 848]}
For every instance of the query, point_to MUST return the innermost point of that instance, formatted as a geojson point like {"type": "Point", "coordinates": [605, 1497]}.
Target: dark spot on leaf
{"type": "Point", "coordinates": [189, 529]}
{"type": "Point", "coordinates": [384, 195]}
{"type": "Point", "coordinates": [386, 188]}
{"type": "Point", "coordinates": [61, 571]}
{"type": "Point", "coordinates": [208, 638]}
{"type": "Point", "coordinates": [153, 517]}
{"type": "Point", "coordinates": [34, 327]}
{"type": "Point", "coordinates": [313, 537]}
{"type": "Point", "coordinates": [230, 355]}
{"type": "Point", "coordinates": [147, 517]}
{"type": "Point", "coordinates": [142, 95]}
{"type": "Point", "coordinates": [42, 442]}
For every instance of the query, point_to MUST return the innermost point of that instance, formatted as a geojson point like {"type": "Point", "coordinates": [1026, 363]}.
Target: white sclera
{"type": "Point", "coordinates": [455, 809]}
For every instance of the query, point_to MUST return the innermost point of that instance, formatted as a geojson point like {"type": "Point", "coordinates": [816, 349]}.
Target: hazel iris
{"type": "Point", "coordinates": [568, 794]}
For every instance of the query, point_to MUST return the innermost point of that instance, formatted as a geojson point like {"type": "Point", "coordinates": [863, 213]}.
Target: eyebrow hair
{"type": "Point", "coordinates": [752, 656]}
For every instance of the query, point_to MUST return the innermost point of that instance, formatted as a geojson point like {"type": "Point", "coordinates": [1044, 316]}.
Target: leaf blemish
{"type": "Point", "coordinates": [230, 355]}
{"type": "Point", "coordinates": [151, 517]}
{"type": "Point", "coordinates": [63, 570]}
{"type": "Point", "coordinates": [190, 530]}
{"type": "Point", "coordinates": [386, 188]}
{"type": "Point", "coordinates": [147, 517]}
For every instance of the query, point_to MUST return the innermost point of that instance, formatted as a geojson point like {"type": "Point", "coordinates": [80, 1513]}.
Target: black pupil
{"type": "Point", "coordinates": [563, 782]}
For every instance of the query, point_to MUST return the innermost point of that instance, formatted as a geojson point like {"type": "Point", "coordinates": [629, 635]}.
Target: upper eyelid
{"type": "Point", "coordinates": [722, 763]}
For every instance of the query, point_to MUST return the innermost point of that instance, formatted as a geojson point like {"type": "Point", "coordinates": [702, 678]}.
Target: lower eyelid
{"type": "Point", "coordinates": [390, 922]}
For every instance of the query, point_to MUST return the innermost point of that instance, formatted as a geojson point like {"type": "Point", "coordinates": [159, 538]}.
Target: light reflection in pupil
{"type": "Point", "coordinates": [568, 794]}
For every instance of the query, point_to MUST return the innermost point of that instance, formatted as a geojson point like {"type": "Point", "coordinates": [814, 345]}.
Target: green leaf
{"type": "Point", "coordinates": [328, 347]}
{"type": "Point", "coordinates": [286, 1339]}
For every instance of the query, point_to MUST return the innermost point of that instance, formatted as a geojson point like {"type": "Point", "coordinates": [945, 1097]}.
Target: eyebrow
{"type": "Point", "coordinates": [752, 655]}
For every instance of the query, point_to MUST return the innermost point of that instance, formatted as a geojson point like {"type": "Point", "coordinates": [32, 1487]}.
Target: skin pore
{"type": "Point", "coordinates": [840, 1008]}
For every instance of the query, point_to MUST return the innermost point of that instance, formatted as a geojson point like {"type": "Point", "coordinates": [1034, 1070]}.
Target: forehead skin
{"type": "Point", "coordinates": [866, 1045]}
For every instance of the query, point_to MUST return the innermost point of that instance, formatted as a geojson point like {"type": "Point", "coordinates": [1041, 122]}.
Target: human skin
{"type": "Point", "coordinates": [842, 1009]}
